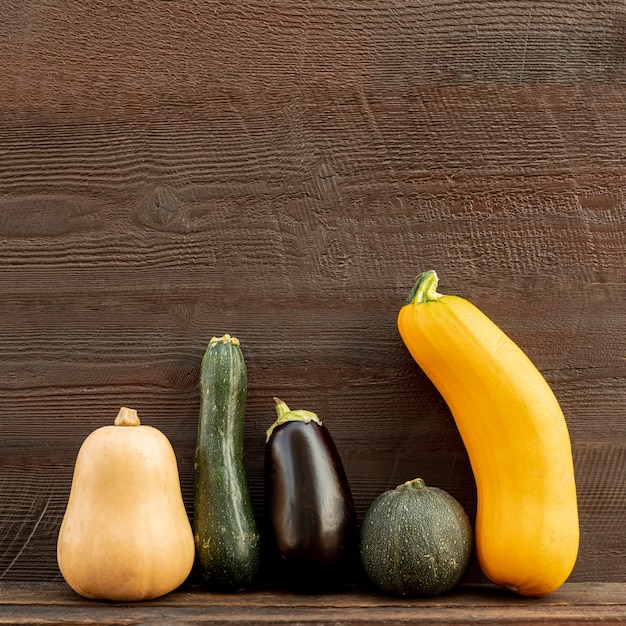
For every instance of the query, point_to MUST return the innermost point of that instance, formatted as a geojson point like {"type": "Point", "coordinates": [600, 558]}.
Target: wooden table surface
{"type": "Point", "coordinates": [574, 603]}
{"type": "Point", "coordinates": [281, 171]}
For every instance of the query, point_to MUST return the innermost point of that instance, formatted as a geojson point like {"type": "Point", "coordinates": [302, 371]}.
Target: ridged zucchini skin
{"type": "Point", "coordinates": [416, 541]}
{"type": "Point", "coordinates": [228, 544]}
{"type": "Point", "coordinates": [527, 531]}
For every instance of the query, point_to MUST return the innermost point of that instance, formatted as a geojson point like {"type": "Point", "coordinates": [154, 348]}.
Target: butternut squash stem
{"type": "Point", "coordinates": [425, 288]}
{"type": "Point", "coordinates": [127, 417]}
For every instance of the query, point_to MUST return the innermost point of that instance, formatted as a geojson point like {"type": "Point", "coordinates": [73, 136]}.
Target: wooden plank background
{"type": "Point", "coordinates": [281, 170]}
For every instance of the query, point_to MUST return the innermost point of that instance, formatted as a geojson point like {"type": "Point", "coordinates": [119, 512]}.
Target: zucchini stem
{"type": "Point", "coordinates": [225, 339]}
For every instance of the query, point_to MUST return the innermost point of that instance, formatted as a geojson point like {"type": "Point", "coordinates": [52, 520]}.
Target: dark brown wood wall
{"type": "Point", "coordinates": [281, 170]}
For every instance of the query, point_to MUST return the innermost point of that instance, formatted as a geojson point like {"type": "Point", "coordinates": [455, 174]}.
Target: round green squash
{"type": "Point", "coordinates": [416, 541]}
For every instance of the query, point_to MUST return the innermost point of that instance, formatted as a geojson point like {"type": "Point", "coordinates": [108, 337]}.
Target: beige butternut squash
{"type": "Point", "coordinates": [125, 534]}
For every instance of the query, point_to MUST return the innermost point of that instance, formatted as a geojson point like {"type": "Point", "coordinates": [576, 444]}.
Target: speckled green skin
{"type": "Point", "coordinates": [224, 525]}
{"type": "Point", "coordinates": [416, 541]}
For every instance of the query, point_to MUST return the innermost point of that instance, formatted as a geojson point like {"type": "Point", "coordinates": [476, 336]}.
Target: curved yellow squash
{"type": "Point", "coordinates": [515, 434]}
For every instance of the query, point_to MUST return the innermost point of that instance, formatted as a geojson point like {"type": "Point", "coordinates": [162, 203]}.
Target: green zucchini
{"type": "Point", "coordinates": [226, 536]}
{"type": "Point", "coordinates": [416, 541]}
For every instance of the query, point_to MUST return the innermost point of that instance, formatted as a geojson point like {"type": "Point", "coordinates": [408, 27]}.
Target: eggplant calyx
{"type": "Point", "coordinates": [285, 414]}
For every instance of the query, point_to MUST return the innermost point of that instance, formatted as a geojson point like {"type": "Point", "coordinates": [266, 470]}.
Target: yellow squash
{"type": "Point", "coordinates": [125, 534]}
{"type": "Point", "coordinates": [515, 434]}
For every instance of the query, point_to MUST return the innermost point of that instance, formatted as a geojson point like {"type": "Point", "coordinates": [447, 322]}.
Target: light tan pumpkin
{"type": "Point", "coordinates": [125, 534]}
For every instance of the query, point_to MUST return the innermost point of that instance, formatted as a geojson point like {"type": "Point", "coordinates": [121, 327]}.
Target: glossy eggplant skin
{"type": "Point", "coordinates": [310, 515]}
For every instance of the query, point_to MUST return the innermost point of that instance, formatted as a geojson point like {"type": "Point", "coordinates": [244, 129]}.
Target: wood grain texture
{"type": "Point", "coordinates": [472, 604]}
{"type": "Point", "coordinates": [282, 170]}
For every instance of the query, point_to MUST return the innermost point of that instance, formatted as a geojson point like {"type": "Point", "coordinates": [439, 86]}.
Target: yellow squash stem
{"type": "Point", "coordinates": [527, 530]}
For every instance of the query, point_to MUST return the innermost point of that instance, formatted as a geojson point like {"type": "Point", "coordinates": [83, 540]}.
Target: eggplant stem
{"type": "Point", "coordinates": [285, 414]}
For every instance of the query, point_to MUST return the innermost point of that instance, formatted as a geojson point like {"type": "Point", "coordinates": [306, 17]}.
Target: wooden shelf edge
{"type": "Point", "coordinates": [574, 603]}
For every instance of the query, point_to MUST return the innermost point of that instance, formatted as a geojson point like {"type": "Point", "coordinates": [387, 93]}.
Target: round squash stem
{"type": "Point", "coordinates": [285, 414]}
{"type": "Point", "coordinates": [416, 484]}
{"type": "Point", "coordinates": [425, 288]}
{"type": "Point", "coordinates": [127, 417]}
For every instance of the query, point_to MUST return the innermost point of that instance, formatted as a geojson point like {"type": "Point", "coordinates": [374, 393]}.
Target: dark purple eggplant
{"type": "Point", "coordinates": [310, 516]}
